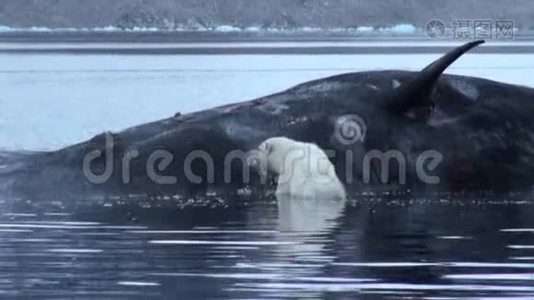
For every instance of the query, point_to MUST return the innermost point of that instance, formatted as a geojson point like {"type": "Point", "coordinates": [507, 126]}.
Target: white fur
{"type": "Point", "coordinates": [303, 169]}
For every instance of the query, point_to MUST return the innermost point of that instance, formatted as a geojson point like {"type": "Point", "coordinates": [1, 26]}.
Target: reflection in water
{"type": "Point", "coordinates": [307, 222]}
{"type": "Point", "coordinates": [380, 248]}
{"type": "Point", "coordinates": [308, 215]}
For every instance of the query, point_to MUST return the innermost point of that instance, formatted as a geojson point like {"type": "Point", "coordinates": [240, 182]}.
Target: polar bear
{"type": "Point", "coordinates": [302, 169]}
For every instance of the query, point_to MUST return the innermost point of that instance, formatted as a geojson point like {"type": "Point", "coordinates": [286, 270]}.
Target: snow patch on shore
{"type": "Point", "coordinates": [396, 29]}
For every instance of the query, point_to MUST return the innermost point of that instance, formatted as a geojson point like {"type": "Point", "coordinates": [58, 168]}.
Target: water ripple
{"type": "Point", "coordinates": [491, 276]}
{"type": "Point", "coordinates": [206, 242]}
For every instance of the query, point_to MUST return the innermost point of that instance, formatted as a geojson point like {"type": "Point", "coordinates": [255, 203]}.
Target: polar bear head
{"type": "Point", "coordinates": [281, 155]}
{"type": "Point", "coordinates": [273, 153]}
{"type": "Point", "coordinates": [270, 155]}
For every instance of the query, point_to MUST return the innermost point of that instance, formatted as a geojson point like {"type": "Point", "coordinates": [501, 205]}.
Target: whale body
{"type": "Point", "coordinates": [433, 131]}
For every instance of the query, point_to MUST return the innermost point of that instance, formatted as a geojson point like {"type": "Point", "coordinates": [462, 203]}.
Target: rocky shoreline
{"type": "Point", "coordinates": [199, 15]}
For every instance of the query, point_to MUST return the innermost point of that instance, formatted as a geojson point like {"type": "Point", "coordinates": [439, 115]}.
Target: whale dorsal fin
{"type": "Point", "coordinates": [416, 94]}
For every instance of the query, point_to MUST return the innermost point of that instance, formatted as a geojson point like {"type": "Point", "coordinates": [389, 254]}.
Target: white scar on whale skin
{"type": "Point", "coordinates": [465, 88]}
{"type": "Point", "coordinates": [440, 119]}
{"type": "Point", "coordinates": [322, 87]}
{"type": "Point", "coordinates": [298, 120]}
{"type": "Point", "coordinates": [374, 87]}
{"type": "Point", "coordinates": [274, 108]}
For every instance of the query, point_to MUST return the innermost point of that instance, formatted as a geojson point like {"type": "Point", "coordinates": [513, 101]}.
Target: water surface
{"type": "Point", "coordinates": [436, 247]}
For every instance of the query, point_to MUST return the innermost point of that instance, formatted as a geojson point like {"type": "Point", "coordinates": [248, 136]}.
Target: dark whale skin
{"type": "Point", "coordinates": [483, 130]}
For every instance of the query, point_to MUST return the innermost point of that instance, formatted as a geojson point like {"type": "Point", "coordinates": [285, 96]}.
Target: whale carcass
{"type": "Point", "coordinates": [384, 130]}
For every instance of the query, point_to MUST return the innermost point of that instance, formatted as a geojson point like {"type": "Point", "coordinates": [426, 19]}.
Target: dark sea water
{"type": "Point", "coordinates": [372, 247]}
